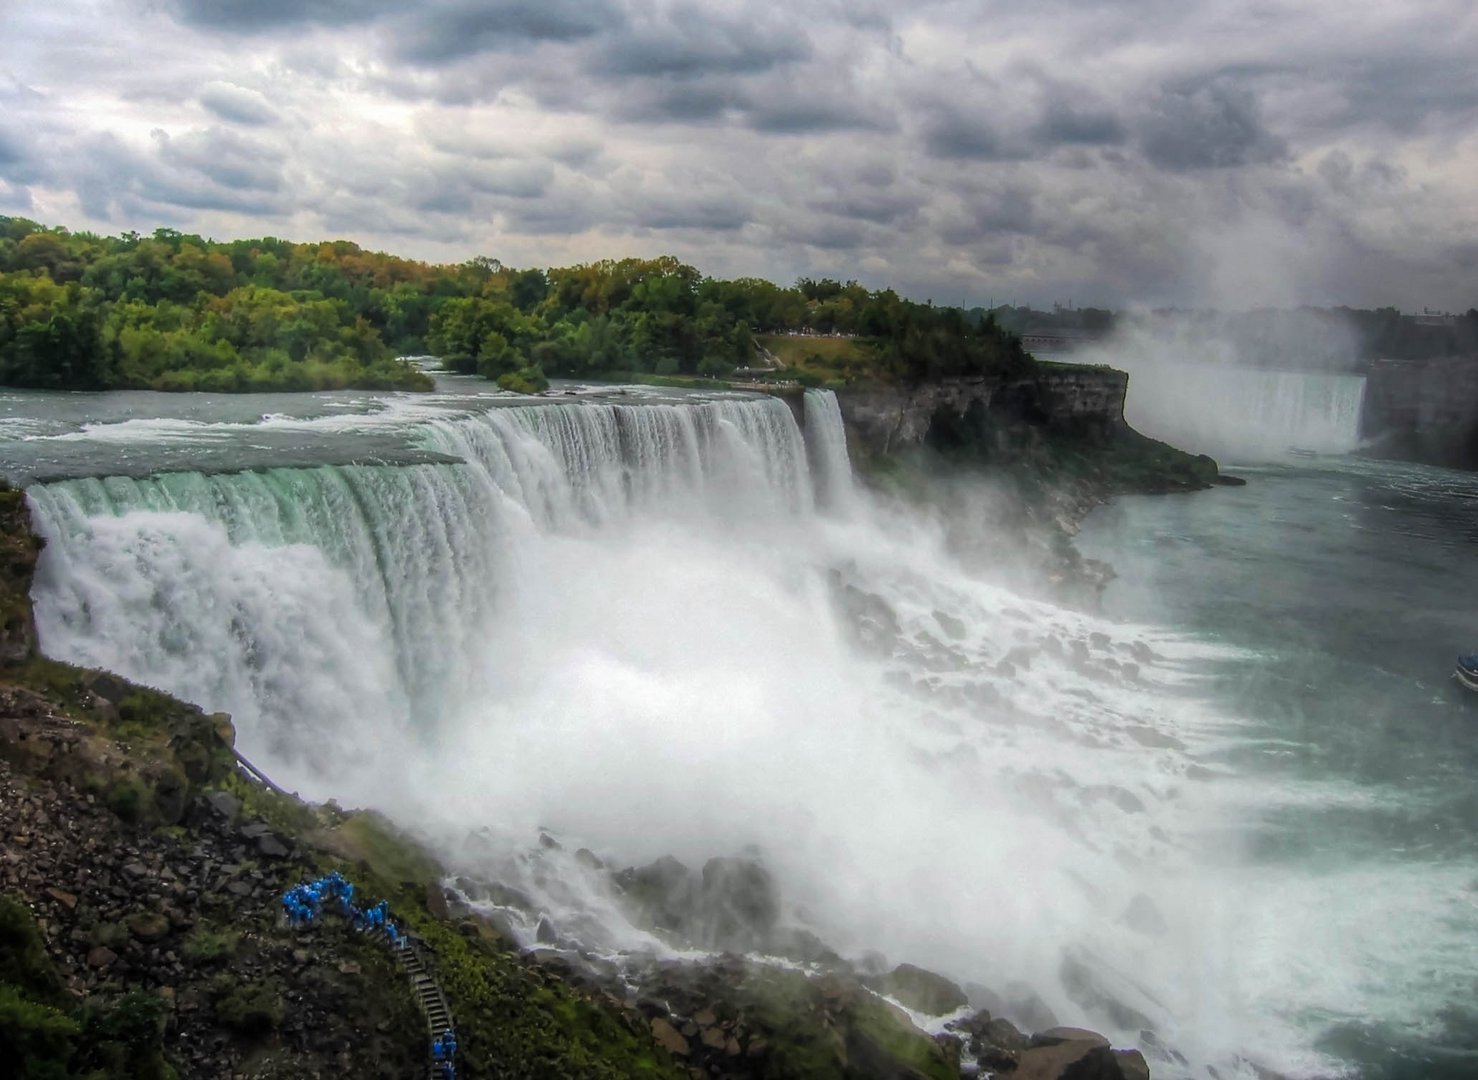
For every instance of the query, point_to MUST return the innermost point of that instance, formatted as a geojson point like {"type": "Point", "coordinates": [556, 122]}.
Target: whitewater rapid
{"type": "Point", "coordinates": [679, 628]}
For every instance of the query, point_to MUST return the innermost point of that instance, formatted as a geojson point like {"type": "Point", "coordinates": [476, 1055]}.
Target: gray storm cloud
{"type": "Point", "coordinates": [1120, 152]}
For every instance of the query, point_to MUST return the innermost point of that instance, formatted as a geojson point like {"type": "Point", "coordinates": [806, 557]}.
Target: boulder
{"type": "Point", "coordinates": [738, 904]}
{"type": "Point", "coordinates": [920, 990]}
{"type": "Point", "coordinates": [984, 999]}
{"type": "Point", "coordinates": [272, 846]}
{"type": "Point", "coordinates": [1086, 989]}
{"type": "Point", "coordinates": [658, 895]}
{"type": "Point", "coordinates": [223, 804]}
{"type": "Point", "coordinates": [1075, 1060]}
{"type": "Point", "coordinates": [1132, 1065]}
{"type": "Point", "coordinates": [436, 901]}
{"type": "Point", "coordinates": [111, 688]}
{"type": "Point", "coordinates": [148, 926]}
{"type": "Point", "coordinates": [1054, 1036]}
{"type": "Point", "coordinates": [1143, 915]}
{"type": "Point", "coordinates": [995, 1044]}
{"type": "Point", "coordinates": [802, 945]}
{"type": "Point", "coordinates": [669, 1039]}
{"type": "Point", "coordinates": [1027, 1009]}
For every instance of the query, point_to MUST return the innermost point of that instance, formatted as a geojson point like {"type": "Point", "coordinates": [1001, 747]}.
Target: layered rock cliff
{"type": "Point", "coordinates": [1067, 397]}
{"type": "Point", "coordinates": [1423, 410]}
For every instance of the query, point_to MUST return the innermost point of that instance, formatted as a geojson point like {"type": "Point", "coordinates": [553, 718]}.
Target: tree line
{"type": "Point", "coordinates": [176, 311]}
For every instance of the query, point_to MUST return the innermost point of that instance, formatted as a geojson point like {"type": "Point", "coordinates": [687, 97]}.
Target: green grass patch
{"type": "Point", "coordinates": [283, 813]}
{"type": "Point", "coordinates": [36, 1040]}
{"type": "Point", "coordinates": [211, 945]}
{"type": "Point", "coordinates": [248, 1007]}
{"type": "Point", "coordinates": [680, 382]}
{"type": "Point", "coordinates": [828, 359]}
{"type": "Point", "coordinates": [513, 1021]}
{"type": "Point", "coordinates": [371, 841]}
{"type": "Point", "coordinates": [23, 960]}
{"type": "Point", "coordinates": [1066, 365]}
{"type": "Point", "coordinates": [62, 684]}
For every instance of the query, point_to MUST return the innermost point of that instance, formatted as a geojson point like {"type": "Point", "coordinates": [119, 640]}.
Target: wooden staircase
{"type": "Point", "coordinates": [428, 993]}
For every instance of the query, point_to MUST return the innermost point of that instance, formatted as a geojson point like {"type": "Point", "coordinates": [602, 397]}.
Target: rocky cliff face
{"type": "Point", "coordinates": [18, 551]}
{"type": "Point", "coordinates": [890, 419]}
{"type": "Point", "coordinates": [1423, 410]}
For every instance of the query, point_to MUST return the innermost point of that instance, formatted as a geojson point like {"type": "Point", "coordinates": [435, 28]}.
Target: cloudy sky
{"type": "Point", "coordinates": [1229, 152]}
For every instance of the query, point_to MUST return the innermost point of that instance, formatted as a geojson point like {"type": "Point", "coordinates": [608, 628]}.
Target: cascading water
{"type": "Point", "coordinates": [628, 623]}
{"type": "Point", "coordinates": [828, 440]}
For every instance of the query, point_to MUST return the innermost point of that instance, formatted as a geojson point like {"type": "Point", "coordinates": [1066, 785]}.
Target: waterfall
{"type": "Point", "coordinates": [363, 596]}
{"type": "Point", "coordinates": [828, 442]}
{"type": "Point", "coordinates": [626, 621]}
{"type": "Point", "coordinates": [1242, 413]}
{"type": "Point", "coordinates": [597, 461]}
{"type": "Point", "coordinates": [349, 595]}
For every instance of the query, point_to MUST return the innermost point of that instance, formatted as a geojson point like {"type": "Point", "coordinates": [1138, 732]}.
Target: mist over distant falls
{"type": "Point", "coordinates": [1243, 414]}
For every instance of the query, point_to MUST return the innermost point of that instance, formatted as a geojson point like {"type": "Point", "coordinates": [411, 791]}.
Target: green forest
{"type": "Point", "coordinates": [173, 311]}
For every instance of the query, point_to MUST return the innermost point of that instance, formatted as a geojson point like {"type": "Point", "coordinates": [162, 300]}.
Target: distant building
{"type": "Point", "coordinates": [1057, 341]}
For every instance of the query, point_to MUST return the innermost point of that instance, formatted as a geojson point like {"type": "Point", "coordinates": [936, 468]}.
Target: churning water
{"type": "Point", "coordinates": [671, 624]}
{"type": "Point", "coordinates": [1342, 589]}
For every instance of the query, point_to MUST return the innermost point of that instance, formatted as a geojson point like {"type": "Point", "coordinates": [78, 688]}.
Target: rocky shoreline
{"type": "Point", "coordinates": [141, 931]}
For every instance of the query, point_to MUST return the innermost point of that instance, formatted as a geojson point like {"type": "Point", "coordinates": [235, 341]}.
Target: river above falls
{"type": "Point", "coordinates": [45, 435]}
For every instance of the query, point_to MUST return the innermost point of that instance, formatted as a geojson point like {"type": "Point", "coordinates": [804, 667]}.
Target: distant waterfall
{"type": "Point", "coordinates": [1241, 413]}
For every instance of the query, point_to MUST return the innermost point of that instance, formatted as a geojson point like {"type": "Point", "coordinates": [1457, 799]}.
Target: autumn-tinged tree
{"type": "Point", "coordinates": [48, 333]}
{"type": "Point", "coordinates": [173, 310]}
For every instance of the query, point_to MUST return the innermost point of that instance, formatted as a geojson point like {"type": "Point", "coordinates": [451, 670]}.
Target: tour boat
{"type": "Point", "coordinates": [1467, 671]}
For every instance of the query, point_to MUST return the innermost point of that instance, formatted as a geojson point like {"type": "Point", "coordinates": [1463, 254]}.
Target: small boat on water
{"type": "Point", "coordinates": [1467, 672]}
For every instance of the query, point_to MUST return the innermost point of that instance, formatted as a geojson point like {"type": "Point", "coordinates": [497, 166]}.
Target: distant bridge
{"type": "Point", "coordinates": [1056, 341]}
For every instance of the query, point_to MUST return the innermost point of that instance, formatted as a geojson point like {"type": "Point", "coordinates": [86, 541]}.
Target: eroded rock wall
{"type": "Point", "coordinates": [890, 419]}
{"type": "Point", "coordinates": [1423, 410]}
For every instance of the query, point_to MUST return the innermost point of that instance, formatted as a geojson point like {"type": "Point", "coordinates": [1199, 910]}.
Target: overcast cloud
{"type": "Point", "coordinates": [1230, 152]}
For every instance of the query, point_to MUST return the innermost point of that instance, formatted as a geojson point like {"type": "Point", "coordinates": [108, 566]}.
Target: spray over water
{"type": "Point", "coordinates": [1197, 388]}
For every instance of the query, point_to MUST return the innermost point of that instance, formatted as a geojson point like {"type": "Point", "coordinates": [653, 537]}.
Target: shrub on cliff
{"type": "Point", "coordinates": [36, 1040]}
{"type": "Point", "coordinates": [124, 1039]}
{"type": "Point", "coordinates": [24, 964]}
{"type": "Point", "coordinates": [248, 1007]}
{"type": "Point", "coordinates": [526, 380]}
